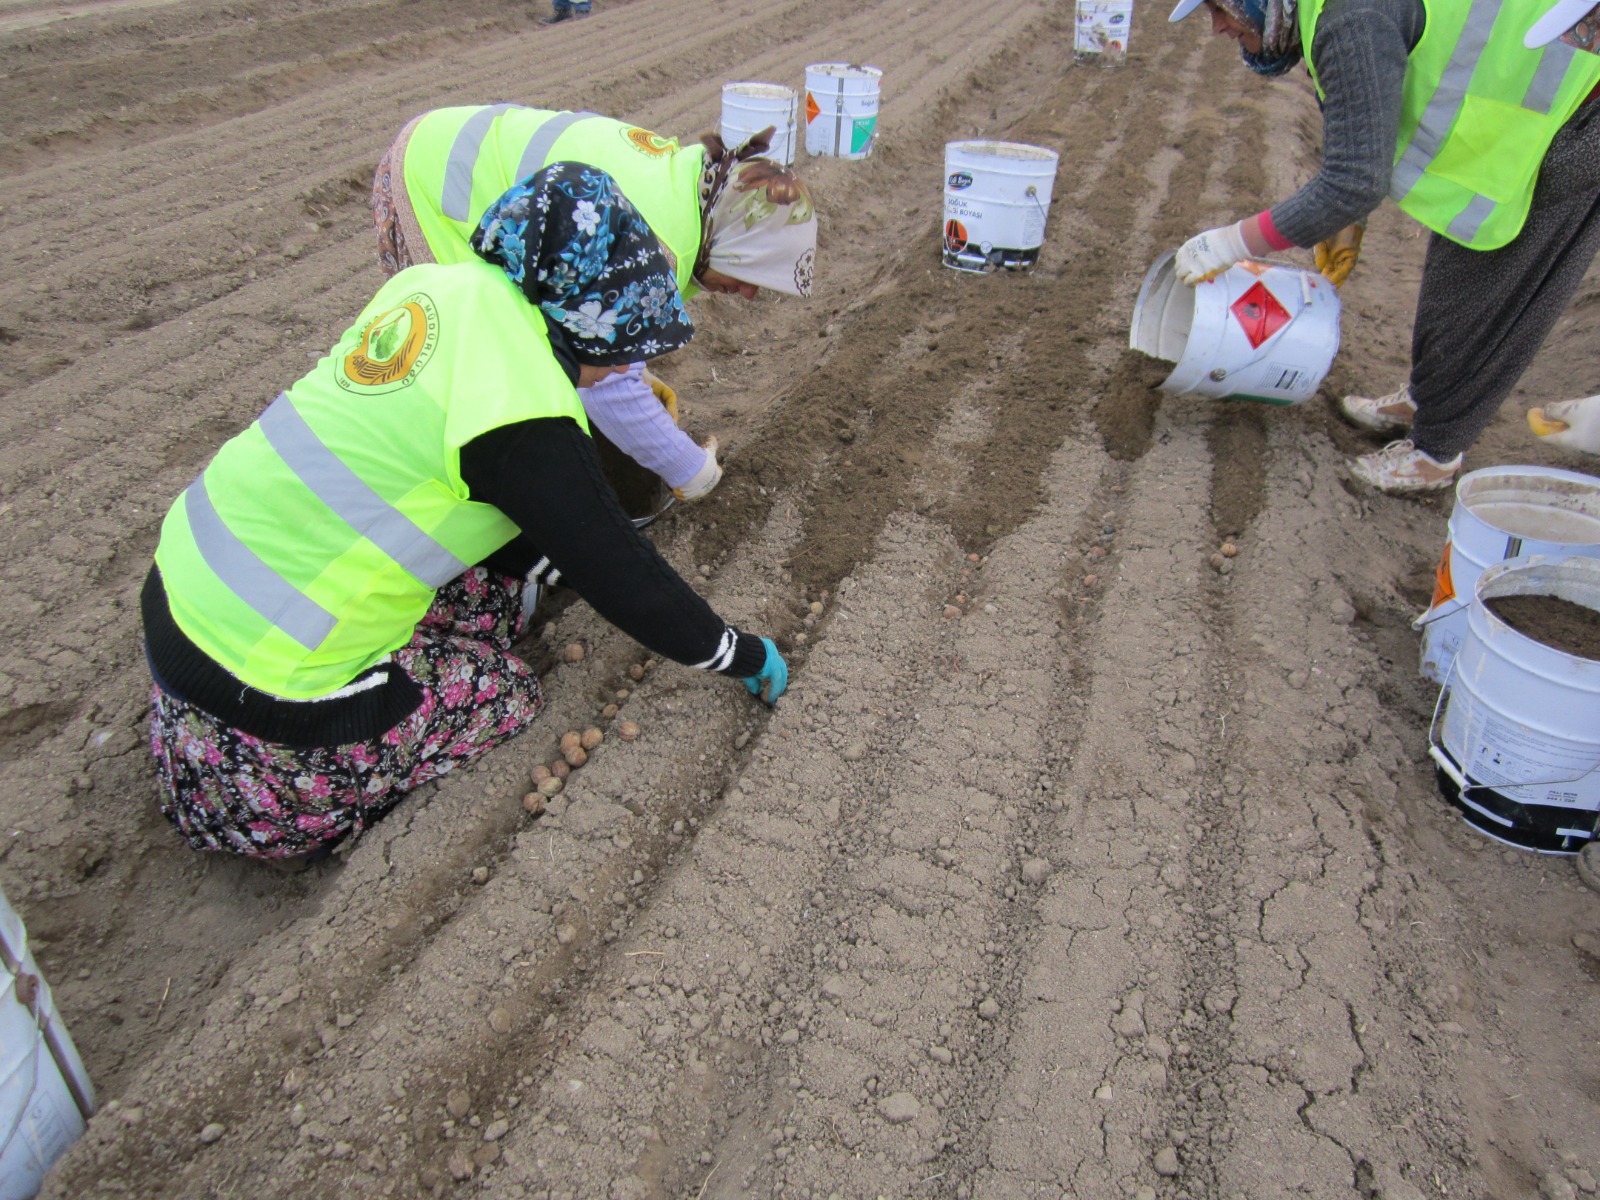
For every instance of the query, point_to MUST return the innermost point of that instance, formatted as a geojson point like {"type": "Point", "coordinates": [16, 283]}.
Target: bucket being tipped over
{"type": "Point", "coordinates": [1258, 331]}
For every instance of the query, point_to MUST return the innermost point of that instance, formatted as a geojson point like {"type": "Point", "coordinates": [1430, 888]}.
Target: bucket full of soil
{"type": "Point", "coordinates": [1257, 331]}
{"type": "Point", "coordinates": [1500, 513]}
{"type": "Point", "coordinates": [1516, 734]}
{"type": "Point", "coordinates": [640, 491]}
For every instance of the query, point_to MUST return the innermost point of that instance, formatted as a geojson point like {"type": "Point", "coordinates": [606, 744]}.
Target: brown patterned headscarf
{"type": "Point", "coordinates": [758, 223]}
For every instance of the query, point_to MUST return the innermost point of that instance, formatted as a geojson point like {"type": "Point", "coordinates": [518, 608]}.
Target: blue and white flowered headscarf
{"type": "Point", "coordinates": [578, 249]}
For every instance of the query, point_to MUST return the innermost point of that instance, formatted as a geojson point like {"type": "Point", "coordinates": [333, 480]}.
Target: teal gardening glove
{"type": "Point", "coordinates": [773, 678]}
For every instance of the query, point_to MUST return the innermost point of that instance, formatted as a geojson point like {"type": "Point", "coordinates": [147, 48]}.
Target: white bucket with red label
{"type": "Point", "coordinates": [1258, 331]}
{"type": "Point", "coordinates": [1501, 513]}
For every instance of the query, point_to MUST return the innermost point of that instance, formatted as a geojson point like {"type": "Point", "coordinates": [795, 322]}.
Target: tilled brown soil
{"type": "Point", "coordinates": [1072, 864]}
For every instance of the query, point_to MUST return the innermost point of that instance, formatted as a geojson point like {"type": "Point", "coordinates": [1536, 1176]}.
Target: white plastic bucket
{"type": "Point", "coordinates": [1258, 331]}
{"type": "Point", "coordinates": [841, 109]}
{"type": "Point", "coordinates": [1103, 26]}
{"type": "Point", "coordinates": [1501, 513]}
{"type": "Point", "coordinates": [45, 1096]}
{"type": "Point", "coordinates": [996, 199]}
{"type": "Point", "coordinates": [748, 108]}
{"type": "Point", "coordinates": [1516, 735]}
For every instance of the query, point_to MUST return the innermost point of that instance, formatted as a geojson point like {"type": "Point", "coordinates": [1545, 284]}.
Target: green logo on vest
{"type": "Point", "coordinates": [394, 347]}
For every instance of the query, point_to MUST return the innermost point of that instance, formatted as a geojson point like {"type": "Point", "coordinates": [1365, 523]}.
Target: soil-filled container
{"type": "Point", "coordinates": [1516, 733]}
{"type": "Point", "coordinates": [1500, 513]}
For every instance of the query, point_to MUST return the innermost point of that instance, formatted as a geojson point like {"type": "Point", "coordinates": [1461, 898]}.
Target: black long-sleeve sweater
{"type": "Point", "coordinates": [545, 475]}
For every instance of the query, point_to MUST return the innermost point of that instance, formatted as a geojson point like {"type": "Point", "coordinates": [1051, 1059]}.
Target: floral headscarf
{"type": "Point", "coordinates": [1278, 27]}
{"type": "Point", "coordinates": [577, 248]}
{"type": "Point", "coordinates": [758, 223]}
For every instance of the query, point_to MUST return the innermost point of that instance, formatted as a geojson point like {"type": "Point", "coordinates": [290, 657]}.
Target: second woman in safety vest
{"type": "Point", "coordinates": [329, 616]}
{"type": "Point", "coordinates": [729, 219]}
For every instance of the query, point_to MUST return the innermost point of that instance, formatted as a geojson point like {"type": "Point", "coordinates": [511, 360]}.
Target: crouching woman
{"type": "Point", "coordinates": [330, 612]}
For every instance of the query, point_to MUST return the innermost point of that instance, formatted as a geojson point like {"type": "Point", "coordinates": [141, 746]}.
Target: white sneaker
{"type": "Point", "coordinates": [1572, 424]}
{"type": "Point", "coordinates": [1385, 414]}
{"type": "Point", "coordinates": [1400, 467]}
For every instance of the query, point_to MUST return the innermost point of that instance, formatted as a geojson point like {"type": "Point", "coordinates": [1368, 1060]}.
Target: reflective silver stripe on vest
{"type": "Point", "coordinates": [1547, 77]}
{"type": "Point", "coordinates": [1444, 106]}
{"type": "Point", "coordinates": [353, 500]}
{"type": "Point", "coordinates": [244, 574]}
{"type": "Point", "coordinates": [1465, 224]}
{"type": "Point", "coordinates": [455, 201]}
{"type": "Point", "coordinates": [543, 139]}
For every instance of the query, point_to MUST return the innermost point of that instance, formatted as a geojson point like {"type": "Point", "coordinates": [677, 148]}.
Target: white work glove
{"type": "Point", "coordinates": [706, 478]}
{"type": "Point", "coordinates": [1572, 424]}
{"type": "Point", "coordinates": [1209, 254]}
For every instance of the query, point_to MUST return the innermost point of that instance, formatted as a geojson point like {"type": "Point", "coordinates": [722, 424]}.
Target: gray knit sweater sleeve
{"type": "Point", "coordinates": [1360, 50]}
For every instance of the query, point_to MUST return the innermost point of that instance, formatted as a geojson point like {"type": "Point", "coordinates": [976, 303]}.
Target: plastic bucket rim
{"type": "Point", "coordinates": [1034, 153]}
{"type": "Point", "coordinates": [843, 70]}
{"type": "Point", "coordinates": [1477, 489]}
{"type": "Point", "coordinates": [748, 87]}
{"type": "Point", "coordinates": [1526, 565]}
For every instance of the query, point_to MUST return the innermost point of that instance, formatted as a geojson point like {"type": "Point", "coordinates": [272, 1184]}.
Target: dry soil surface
{"type": "Point", "coordinates": [1070, 866]}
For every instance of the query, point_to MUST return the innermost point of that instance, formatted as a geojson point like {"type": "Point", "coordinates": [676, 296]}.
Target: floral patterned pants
{"type": "Point", "coordinates": [226, 790]}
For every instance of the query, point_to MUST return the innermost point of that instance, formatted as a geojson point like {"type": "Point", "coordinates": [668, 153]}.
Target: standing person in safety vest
{"type": "Point", "coordinates": [1493, 146]}
{"type": "Point", "coordinates": [329, 616]}
{"type": "Point", "coordinates": [730, 221]}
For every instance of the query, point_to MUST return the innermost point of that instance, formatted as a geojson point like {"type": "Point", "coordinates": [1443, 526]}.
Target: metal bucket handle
{"type": "Point", "coordinates": [642, 522]}
{"type": "Point", "coordinates": [1427, 618]}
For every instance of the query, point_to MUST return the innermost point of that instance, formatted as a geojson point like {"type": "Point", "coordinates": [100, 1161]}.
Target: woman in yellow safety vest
{"type": "Point", "coordinates": [730, 220]}
{"type": "Point", "coordinates": [1493, 145]}
{"type": "Point", "coordinates": [333, 600]}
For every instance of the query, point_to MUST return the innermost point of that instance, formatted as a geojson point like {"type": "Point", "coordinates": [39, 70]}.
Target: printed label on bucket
{"type": "Point", "coordinates": [1444, 587]}
{"type": "Point", "coordinates": [962, 254]}
{"type": "Point", "coordinates": [1103, 26]}
{"type": "Point", "coordinates": [861, 134]}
